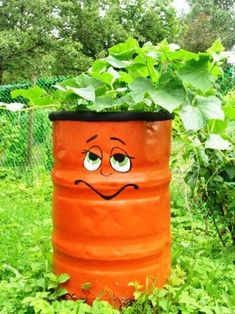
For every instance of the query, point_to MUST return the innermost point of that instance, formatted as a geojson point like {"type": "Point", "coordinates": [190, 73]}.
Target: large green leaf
{"type": "Point", "coordinates": [139, 88]}
{"type": "Point", "coordinates": [68, 97]}
{"type": "Point", "coordinates": [141, 72]}
{"type": "Point", "coordinates": [36, 95]}
{"type": "Point", "coordinates": [180, 55]}
{"type": "Point", "coordinates": [43, 101]}
{"type": "Point", "coordinates": [125, 100]}
{"type": "Point", "coordinates": [229, 107]}
{"type": "Point", "coordinates": [85, 80]}
{"type": "Point", "coordinates": [192, 118]}
{"type": "Point", "coordinates": [69, 82]}
{"type": "Point", "coordinates": [215, 141]}
{"type": "Point", "coordinates": [171, 52]}
{"type": "Point", "coordinates": [116, 63]}
{"type": "Point", "coordinates": [143, 66]}
{"type": "Point", "coordinates": [216, 52]}
{"type": "Point", "coordinates": [84, 86]}
{"type": "Point", "coordinates": [141, 106]}
{"type": "Point", "coordinates": [216, 47]}
{"type": "Point", "coordinates": [81, 81]}
{"type": "Point", "coordinates": [210, 107]}
{"type": "Point", "coordinates": [99, 66]}
{"type": "Point", "coordinates": [87, 93]}
{"type": "Point", "coordinates": [30, 93]}
{"type": "Point", "coordinates": [105, 77]}
{"type": "Point", "coordinates": [137, 63]}
{"type": "Point", "coordinates": [230, 130]}
{"type": "Point", "coordinates": [195, 74]}
{"type": "Point", "coordinates": [217, 126]}
{"type": "Point", "coordinates": [153, 73]}
{"type": "Point", "coordinates": [124, 51]}
{"type": "Point", "coordinates": [169, 94]}
{"type": "Point", "coordinates": [163, 47]}
{"type": "Point", "coordinates": [125, 77]}
{"type": "Point", "coordinates": [104, 102]}
{"type": "Point", "coordinates": [191, 178]}
{"type": "Point", "coordinates": [168, 99]}
{"type": "Point", "coordinates": [108, 77]}
{"type": "Point", "coordinates": [205, 108]}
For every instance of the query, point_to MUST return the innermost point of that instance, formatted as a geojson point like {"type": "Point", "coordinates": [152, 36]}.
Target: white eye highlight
{"type": "Point", "coordinates": [92, 161]}
{"type": "Point", "coordinates": [120, 162]}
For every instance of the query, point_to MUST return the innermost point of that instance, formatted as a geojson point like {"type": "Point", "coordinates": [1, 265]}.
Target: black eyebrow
{"type": "Point", "coordinates": [91, 138]}
{"type": "Point", "coordinates": [117, 139]}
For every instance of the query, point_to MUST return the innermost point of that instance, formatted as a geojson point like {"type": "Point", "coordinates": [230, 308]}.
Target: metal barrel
{"type": "Point", "coordinates": [111, 204]}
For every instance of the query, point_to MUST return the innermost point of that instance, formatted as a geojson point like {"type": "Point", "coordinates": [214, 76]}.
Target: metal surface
{"type": "Point", "coordinates": [111, 214]}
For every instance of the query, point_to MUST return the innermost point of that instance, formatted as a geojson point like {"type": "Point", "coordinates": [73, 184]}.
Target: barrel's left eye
{"type": "Point", "coordinates": [92, 161]}
{"type": "Point", "coordinates": [120, 162]}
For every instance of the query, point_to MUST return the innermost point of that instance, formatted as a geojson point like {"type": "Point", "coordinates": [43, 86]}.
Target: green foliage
{"type": "Point", "coordinates": [11, 152]}
{"type": "Point", "coordinates": [97, 25]}
{"type": "Point", "coordinates": [5, 91]}
{"type": "Point", "coordinates": [149, 78]}
{"type": "Point", "coordinates": [54, 37]}
{"type": "Point", "coordinates": [227, 82]}
{"type": "Point", "coordinates": [30, 43]}
{"type": "Point", "coordinates": [51, 38]}
{"type": "Point", "coordinates": [212, 180]}
{"type": "Point", "coordinates": [207, 21]}
{"type": "Point", "coordinates": [34, 94]}
{"type": "Point", "coordinates": [207, 108]}
{"type": "Point", "coordinates": [146, 20]}
{"type": "Point", "coordinates": [15, 144]}
{"type": "Point", "coordinates": [211, 176]}
{"type": "Point", "coordinates": [224, 4]}
{"type": "Point", "coordinates": [45, 83]}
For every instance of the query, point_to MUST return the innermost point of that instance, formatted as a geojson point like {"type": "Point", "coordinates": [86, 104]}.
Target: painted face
{"type": "Point", "coordinates": [110, 160]}
{"type": "Point", "coordinates": [118, 161]}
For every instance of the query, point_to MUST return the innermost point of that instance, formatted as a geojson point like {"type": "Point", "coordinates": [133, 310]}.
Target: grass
{"type": "Point", "coordinates": [203, 272]}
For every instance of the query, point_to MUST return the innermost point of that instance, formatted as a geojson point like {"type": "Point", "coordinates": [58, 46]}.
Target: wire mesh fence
{"type": "Point", "coordinates": [227, 81]}
{"type": "Point", "coordinates": [25, 136]}
{"type": "Point", "coordinates": [25, 143]}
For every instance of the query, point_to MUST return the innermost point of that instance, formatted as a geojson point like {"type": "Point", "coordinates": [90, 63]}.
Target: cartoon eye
{"type": "Point", "coordinates": [92, 161]}
{"type": "Point", "coordinates": [120, 162]}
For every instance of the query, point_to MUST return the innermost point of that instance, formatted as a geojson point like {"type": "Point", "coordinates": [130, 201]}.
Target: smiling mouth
{"type": "Point", "coordinates": [108, 197]}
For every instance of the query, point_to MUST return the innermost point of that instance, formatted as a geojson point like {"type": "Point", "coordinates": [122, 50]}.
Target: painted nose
{"type": "Point", "coordinates": [105, 173]}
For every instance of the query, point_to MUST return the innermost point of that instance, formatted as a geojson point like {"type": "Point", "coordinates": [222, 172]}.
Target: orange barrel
{"type": "Point", "coordinates": [111, 204]}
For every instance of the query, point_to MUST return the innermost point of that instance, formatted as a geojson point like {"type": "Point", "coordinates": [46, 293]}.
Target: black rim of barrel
{"type": "Point", "coordinates": [110, 116]}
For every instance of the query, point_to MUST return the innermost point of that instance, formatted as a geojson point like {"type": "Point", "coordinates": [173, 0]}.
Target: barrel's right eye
{"type": "Point", "coordinates": [92, 161]}
{"type": "Point", "coordinates": [120, 162]}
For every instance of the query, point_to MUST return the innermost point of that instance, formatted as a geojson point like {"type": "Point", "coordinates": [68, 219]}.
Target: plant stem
{"type": "Point", "coordinates": [218, 232]}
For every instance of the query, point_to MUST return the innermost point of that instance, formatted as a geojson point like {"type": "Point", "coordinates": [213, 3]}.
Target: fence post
{"type": "Point", "coordinates": [29, 155]}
